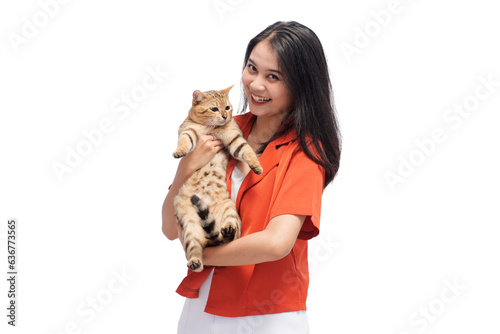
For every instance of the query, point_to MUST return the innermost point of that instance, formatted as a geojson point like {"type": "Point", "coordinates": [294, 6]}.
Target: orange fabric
{"type": "Point", "coordinates": [290, 184]}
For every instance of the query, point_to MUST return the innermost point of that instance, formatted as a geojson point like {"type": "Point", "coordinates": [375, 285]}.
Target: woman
{"type": "Point", "coordinates": [259, 281]}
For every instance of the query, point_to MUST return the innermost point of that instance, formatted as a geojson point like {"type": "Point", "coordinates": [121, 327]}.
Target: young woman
{"type": "Point", "coordinates": [258, 283]}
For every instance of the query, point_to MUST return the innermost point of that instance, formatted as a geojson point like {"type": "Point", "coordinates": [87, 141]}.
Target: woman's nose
{"type": "Point", "coordinates": [257, 85]}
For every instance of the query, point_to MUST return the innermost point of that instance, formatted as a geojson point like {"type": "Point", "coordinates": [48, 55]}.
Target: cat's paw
{"type": "Point", "coordinates": [257, 169]}
{"type": "Point", "coordinates": [212, 237]}
{"type": "Point", "coordinates": [179, 154]}
{"type": "Point", "coordinates": [228, 232]}
{"type": "Point", "coordinates": [195, 264]}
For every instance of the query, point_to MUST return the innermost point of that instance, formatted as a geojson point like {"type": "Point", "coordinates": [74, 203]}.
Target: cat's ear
{"type": "Point", "coordinates": [197, 96]}
{"type": "Point", "coordinates": [226, 91]}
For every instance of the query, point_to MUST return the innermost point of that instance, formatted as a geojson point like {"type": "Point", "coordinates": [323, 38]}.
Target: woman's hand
{"type": "Point", "coordinates": [205, 150]}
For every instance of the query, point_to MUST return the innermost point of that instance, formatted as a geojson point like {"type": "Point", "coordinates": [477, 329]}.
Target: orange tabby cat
{"type": "Point", "coordinates": [207, 215]}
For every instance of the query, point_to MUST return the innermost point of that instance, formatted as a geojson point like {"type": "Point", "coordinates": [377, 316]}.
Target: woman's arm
{"type": "Point", "coordinates": [204, 151]}
{"type": "Point", "coordinates": [271, 244]}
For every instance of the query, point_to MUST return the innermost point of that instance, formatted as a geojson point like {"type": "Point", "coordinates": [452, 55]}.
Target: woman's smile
{"type": "Point", "coordinates": [264, 84]}
{"type": "Point", "coordinates": [260, 99]}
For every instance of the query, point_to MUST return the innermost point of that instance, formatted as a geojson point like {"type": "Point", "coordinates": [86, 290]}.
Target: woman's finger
{"type": "Point", "coordinates": [218, 144]}
{"type": "Point", "coordinates": [209, 138]}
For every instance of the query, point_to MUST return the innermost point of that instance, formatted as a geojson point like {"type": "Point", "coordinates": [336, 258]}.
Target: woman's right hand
{"type": "Point", "coordinates": [205, 150]}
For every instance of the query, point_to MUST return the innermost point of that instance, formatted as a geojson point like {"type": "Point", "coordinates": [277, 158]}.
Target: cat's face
{"type": "Point", "coordinates": [211, 108]}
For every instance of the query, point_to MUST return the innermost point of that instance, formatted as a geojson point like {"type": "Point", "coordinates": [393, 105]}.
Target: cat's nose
{"type": "Point", "coordinates": [224, 115]}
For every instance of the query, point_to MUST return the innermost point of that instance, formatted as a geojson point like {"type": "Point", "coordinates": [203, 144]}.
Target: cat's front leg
{"type": "Point", "coordinates": [187, 141]}
{"type": "Point", "coordinates": [248, 155]}
{"type": "Point", "coordinates": [233, 140]}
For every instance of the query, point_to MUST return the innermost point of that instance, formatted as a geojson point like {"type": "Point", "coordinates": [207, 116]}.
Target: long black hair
{"type": "Point", "coordinates": [302, 62]}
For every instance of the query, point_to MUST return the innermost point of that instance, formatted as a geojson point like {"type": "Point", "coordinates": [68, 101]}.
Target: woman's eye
{"type": "Point", "coordinates": [252, 68]}
{"type": "Point", "coordinates": [214, 109]}
{"type": "Point", "coordinates": [274, 77]}
{"type": "Point", "coordinates": [228, 107]}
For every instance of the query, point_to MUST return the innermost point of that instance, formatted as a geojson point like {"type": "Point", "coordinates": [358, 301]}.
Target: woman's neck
{"type": "Point", "coordinates": [263, 129]}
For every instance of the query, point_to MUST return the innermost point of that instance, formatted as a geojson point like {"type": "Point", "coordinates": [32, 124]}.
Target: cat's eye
{"type": "Point", "coordinates": [228, 107]}
{"type": "Point", "coordinates": [214, 109]}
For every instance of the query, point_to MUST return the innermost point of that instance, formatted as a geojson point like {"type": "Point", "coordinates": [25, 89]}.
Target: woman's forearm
{"type": "Point", "coordinates": [271, 244]}
{"type": "Point", "coordinates": [169, 221]}
{"type": "Point", "coordinates": [251, 249]}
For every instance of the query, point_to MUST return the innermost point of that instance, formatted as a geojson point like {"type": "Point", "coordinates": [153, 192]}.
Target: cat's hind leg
{"type": "Point", "coordinates": [193, 236]}
{"type": "Point", "coordinates": [229, 220]}
{"type": "Point", "coordinates": [193, 241]}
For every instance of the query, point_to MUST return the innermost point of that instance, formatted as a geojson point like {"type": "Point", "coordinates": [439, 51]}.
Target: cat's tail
{"type": "Point", "coordinates": [207, 220]}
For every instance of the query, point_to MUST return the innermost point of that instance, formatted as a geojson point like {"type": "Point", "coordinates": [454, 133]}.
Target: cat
{"type": "Point", "coordinates": [207, 215]}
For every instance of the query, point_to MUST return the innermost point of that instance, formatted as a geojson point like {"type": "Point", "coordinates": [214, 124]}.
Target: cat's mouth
{"type": "Point", "coordinates": [216, 123]}
{"type": "Point", "coordinates": [260, 99]}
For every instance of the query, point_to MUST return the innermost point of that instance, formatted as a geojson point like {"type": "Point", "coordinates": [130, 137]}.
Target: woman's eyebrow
{"type": "Point", "coordinates": [270, 70]}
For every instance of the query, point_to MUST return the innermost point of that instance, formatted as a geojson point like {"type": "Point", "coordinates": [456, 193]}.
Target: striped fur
{"type": "Point", "coordinates": [207, 215]}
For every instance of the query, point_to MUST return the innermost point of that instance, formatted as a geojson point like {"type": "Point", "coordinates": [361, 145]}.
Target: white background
{"type": "Point", "coordinates": [384, 255]}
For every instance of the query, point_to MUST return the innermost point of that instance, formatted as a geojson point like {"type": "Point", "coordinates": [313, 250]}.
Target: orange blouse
{"type": "Point", "coordinates": [290, 184]}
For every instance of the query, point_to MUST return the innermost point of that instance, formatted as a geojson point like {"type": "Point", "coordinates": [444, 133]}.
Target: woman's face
{"type": "Point", "coordinates": [266, 91]}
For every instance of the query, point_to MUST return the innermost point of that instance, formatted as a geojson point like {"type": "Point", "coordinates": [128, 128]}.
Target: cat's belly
{"type": "Point", "coordinates": [209, 182]}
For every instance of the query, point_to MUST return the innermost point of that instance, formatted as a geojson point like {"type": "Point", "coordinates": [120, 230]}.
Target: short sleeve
{"type": "Point", "coordinates": [300, 193]}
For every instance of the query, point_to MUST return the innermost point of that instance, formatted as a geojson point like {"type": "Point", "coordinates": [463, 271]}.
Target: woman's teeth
{"type": "Point", "coordinates": [260, 99]}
